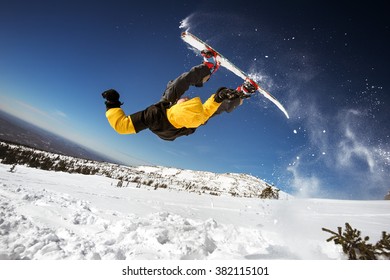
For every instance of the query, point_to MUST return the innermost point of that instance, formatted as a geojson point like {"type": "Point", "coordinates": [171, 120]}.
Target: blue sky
{"type": "Point", "coordinates": [326, 64]}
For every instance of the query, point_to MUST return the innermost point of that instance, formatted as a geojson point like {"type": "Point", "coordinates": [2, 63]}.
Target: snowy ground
{"type": "Point", "coordinates": [55, 215]}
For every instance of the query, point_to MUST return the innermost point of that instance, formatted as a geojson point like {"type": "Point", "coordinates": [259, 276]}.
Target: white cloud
{"type": "Point", "coordinates": [60, 114]}
{"type": "Point", "coordinates": [350, 148]}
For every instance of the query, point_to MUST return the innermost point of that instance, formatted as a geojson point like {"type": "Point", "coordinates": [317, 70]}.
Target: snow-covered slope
{"type": "Point", "coordinates": [199, 182]}
{"type": "Point", "coordinates": [57, 215]}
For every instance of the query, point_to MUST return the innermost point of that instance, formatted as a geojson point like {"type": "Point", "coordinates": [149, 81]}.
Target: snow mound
{"type": "Point", "coordinates": [39, 223]}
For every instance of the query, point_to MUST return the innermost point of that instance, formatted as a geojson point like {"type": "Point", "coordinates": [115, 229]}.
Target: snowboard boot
{"type": "Point", "coordinates": [247, 88]}
{"type": "Point", "coordinates": [223, 94]}
{"type": "Point", "coordinates": [210, 58]}
{"type": "Point", "coordinates": [230, 99]}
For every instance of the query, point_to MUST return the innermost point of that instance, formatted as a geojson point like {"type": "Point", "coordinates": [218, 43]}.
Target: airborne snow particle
{"type": "Point", "coordinates": [295, 131]}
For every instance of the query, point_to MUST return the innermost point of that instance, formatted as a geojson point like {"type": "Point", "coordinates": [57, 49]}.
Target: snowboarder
{"type": "Point", "coordinates": [174, 116]}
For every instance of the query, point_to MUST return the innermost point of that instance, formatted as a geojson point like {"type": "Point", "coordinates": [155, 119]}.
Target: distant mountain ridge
{"type": "Point", "coordinates": [15, 130]}
{"type": "Point", "coordinates": [154, 177]}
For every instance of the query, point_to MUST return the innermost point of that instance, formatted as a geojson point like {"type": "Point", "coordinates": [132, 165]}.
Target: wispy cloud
{"type": "Point", "coordinates": [361, 154]}
{"type": "Point", "coordinates": [350, 149]}
{"type": "Point", "coordinates": [60, 114]}
{"type": "Point", "coordinates": [338, 144]}
{"type": "Point", "coordinates": [340, 147]}
{"type": "Point", "coordinates": [50, 120]}
{"type": "Point", "coordinates": [21, 109]}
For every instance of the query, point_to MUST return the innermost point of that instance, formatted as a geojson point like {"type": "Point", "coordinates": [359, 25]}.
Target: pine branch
{"type": "Point", "coordinates": [358, 248]}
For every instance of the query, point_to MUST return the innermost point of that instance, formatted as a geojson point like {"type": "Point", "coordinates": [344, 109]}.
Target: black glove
{"type": "Point", "coordinates": [225, 93]}
{"type": "Point", "coordinates": [112, 99]}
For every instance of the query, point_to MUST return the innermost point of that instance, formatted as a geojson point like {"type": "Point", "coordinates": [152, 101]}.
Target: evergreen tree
{"type": "Point", "coordinates": [270, 193]}
{"type": "Point", "coordinates": [358, 248]}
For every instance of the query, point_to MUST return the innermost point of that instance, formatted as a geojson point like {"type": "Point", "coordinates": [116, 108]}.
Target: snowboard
{"type": "Point", "coordinates": [198, 44]}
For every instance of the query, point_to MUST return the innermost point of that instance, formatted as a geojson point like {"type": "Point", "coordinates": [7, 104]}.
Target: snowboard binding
{"type": "Point", "coordinates": [247, 88]}
{"type": "Point", "coordinates": [210, 58]}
